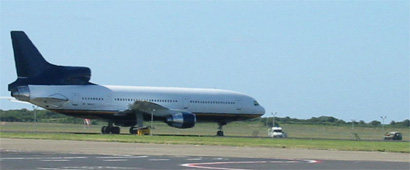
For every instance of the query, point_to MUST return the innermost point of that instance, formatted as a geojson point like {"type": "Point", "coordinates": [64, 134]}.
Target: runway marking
{"type": "Point", "coordinates": [201, 165]}
{"type": "Point", "coordinates": [313, 161]}
{"type": "Point", "coordinates": [76, 157]}
{"type": "Point", "coordinates": [115, 160]}
{"type": "Point", "coordinates": [218, 158]}
{"type": "Point", "coordinates": [31, 158]}
{"type": "Point", "coordinates": [88, 167]}
{"type": "Point", "coordinates": [194, 159]}
{"type": "Point", "coordinates": [208, 165]}
{"type": "Point", "coordinates": [159, 159]}
{"type": "Point", "coordinates": [56, 160]}
{"type": "Point", "coordinates": [121, 157]}
{"type": "Point", "coordinates": [19, 158]}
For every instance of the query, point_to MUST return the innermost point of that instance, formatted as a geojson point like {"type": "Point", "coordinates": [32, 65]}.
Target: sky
{"type": "Point", "coordinates": [301, 59]}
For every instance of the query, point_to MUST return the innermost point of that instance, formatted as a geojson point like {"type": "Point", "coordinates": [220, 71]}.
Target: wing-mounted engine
{"type": "Point", "coordinates": [174, 118]}
{"type": "Point", "coordinates": [181, 120]}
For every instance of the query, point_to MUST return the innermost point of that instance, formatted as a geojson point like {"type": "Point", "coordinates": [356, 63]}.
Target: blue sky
{"type": "Point", "coordinates": [302, 59]}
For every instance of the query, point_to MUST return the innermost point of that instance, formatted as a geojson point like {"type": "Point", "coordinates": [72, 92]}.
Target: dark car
{"type": "Point", "coordinates": [393, 136]}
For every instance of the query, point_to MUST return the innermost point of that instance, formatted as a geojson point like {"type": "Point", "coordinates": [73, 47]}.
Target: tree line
{"type": "Point", "coordinates": [45, 116]}
{"type": "Point", "coordinates": [330, 121]}
{"type": "Point", "coordinates": [24, 115]}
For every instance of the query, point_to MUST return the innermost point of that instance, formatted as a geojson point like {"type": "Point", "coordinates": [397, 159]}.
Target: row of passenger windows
{"type": "Point", "coordinates": [92, 98]}
{"type": "Point", "coordinates": [148, 100]}
{"type": "Point", "coordinates": [211, 102]}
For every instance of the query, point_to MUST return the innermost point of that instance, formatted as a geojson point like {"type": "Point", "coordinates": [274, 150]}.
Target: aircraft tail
{"type": "Point", "coordinates": [29, 61]}
{"type": "Point", "coordinates": [32, 68]}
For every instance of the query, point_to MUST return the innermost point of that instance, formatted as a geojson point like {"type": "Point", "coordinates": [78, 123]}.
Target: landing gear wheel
{"type": "Point", "coordinates": [115, 130]}
{"type": "Point", "coordinates": [220, 133]}
{"type": "Point", "coordinates": [103, 130]}
{"type": "Point", "coordinates": [107, 130]}
{"type": "Point", "coordinates": [133, 130]}
{"type": "Point", "coordinates": [110, 129]}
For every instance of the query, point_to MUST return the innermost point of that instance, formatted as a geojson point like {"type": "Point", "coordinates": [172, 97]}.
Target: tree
{"type": "Point", "coordinates": [406, 123]}
{"type": "Point", "coordinates": [375, 123]}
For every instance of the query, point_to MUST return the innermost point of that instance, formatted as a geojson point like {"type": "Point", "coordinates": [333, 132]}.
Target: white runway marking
{"type": "Point", "coordinates": [159, 159]}
{"type": "Point", "coordinates": [55, 160]}
{"type": "Point", "coordinates": [194, 159]}
{"type": "Point", "coordinates": [115, 160]}
{"type": "Point", "coordinates": [214, 165]}
{"type": "Point", "coordinates": [19, 158]}
{"type": "Point", "coordinates": [121, 157]}
{"type": "Point", "coordinates": [87, 167]}
{"type": "Point", "coordinates": [31, 158]}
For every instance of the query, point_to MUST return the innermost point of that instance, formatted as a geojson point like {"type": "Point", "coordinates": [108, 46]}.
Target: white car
{"type": "Point", "coordinates": [277, 132]}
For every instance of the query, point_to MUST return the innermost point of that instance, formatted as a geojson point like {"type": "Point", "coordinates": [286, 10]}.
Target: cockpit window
{"type": "Point", "coordinates": [255, 103]}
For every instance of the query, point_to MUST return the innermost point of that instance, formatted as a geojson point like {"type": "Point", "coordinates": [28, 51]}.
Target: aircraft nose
{"type": "Point", "coordinates": [261, 110]}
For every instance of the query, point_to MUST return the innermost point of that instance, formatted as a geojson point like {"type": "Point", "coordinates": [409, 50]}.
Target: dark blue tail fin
{"type": "Point", "coordinates": [29, 61]}
{"type": "Point", "coordinates": [32, 68]}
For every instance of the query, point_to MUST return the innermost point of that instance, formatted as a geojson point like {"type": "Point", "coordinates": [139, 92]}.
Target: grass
{"type": "Point", "coordinates": [254, 129]}
{"type": "Point", "coordinates": [403, 147]}
{"type": "Point", "coordinates": [202, 134]}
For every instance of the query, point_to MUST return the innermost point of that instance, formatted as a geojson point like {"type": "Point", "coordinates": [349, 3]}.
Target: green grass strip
{"type": "Point", "coordinates": [402, 147]}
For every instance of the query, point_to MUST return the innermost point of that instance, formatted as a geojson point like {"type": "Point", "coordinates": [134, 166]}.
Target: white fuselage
{"type": "Point", "coordinates": [114, 99]}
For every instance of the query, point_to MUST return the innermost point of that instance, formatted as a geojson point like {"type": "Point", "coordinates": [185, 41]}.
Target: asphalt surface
{"type": "Point", "coordinates": [61, 154]}
{"type": "Point", "coordinates": [50, 161]}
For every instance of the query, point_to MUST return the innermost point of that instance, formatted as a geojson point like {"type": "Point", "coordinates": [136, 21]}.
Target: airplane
{"type": "Point", "coordinates": [68, 90]}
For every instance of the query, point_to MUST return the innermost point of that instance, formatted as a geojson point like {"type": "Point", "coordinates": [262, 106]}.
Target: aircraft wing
{"type": "Point", "coordinates": [147, 108]}
{"type": "Point", "coordinates": [175, 118]}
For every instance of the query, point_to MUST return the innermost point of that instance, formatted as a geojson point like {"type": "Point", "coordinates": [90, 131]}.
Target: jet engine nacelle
{"type": "Point", "coordinates": [181, 120]}
{"type": "Point", "coordinates": [21, 93]}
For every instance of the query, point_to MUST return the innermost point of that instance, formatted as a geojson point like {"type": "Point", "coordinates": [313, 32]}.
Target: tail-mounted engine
{"type": "Point", "coordinates": [21, 93]}
{"type": "Point", "coordinates": [181, 120]}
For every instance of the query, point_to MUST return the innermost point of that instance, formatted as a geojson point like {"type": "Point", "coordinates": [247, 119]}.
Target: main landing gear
{"type": "Point", "coordinates": [220, 132]}
{"type": "Point", "coordinates": [133, 130]}
{"type": "Point", "coordinates": [140, 129]}
{"type": "Point", "coordinates": [110, 129]}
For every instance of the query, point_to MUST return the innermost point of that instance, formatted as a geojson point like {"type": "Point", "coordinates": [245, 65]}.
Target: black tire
{"type": "Point", "coordinates": [103, 129]}
{"type": "Point", "coordinates": [220, 133]}
{"type": "Point", "coordinates": [115, 130]}
{"type": "Point", "coordinates": [133, 130]}
{"type": "Point", "coordinates": [108, 129]}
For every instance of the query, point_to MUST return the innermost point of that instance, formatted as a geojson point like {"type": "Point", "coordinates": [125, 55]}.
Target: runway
{"type": "Point", "coordinates": [50, 161]}
{"type": "Point", "coordinates": [60, 154]}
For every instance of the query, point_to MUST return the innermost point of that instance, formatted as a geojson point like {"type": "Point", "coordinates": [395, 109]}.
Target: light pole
{"type": "Point", "coordinates": [35, 117]}
{"type": "Point", "coordinates": [383, 118]}
{"type": "Point", "coordinates": [273, 118]}
{"type": "Point", "coordinates": [353, 124]}
{"type": "Point", "coordinates": [152, 119]}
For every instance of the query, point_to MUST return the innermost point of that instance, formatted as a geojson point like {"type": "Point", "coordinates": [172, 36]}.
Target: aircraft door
{"type": "Point", "coordinates": [75, 99]}
{"type": "Point", "coordinates": [108, 99]}
{"type": "Point", "coordinates": [238, 105]}
{"type": "Point", "coordinates": [185, 103]}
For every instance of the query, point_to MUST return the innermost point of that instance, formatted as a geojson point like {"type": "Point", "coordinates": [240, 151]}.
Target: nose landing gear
{"type": "Point", "coordinates": [220, 131]}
